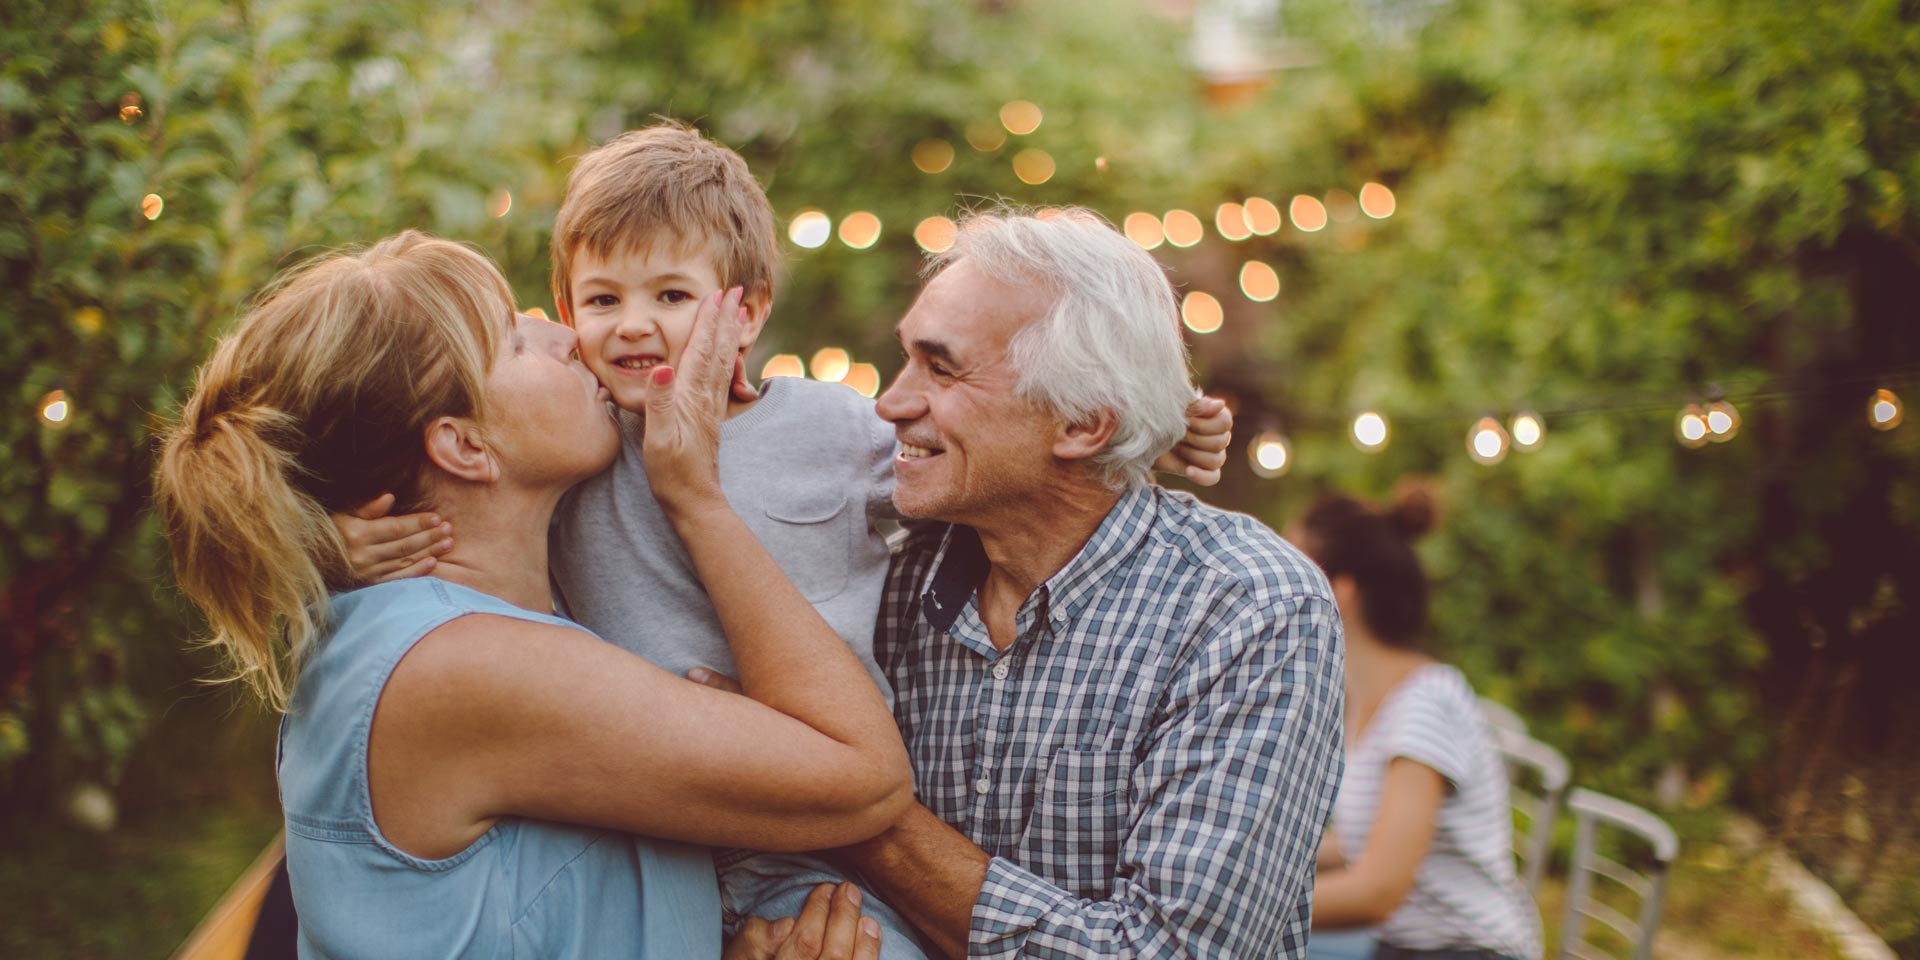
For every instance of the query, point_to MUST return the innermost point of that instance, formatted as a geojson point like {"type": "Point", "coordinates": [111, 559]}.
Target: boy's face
{"type": "Point", "coordinates": [633, 310]}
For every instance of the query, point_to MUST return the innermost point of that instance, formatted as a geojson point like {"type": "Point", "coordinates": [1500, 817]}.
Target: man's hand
{"type": "Point", "coordinates": [829, 927]}
{"type": "Point", "coordinates": [382, 548]}
{"type": "Point", "coordinates": [1203, 451]}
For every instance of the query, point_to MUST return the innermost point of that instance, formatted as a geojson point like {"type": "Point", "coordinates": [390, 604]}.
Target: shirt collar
{"type": "Point", "coordinates": [961, 563]}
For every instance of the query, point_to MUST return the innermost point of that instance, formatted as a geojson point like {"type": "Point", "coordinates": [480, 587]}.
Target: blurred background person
{"type": "Point", "coordinates": [1421, 846]}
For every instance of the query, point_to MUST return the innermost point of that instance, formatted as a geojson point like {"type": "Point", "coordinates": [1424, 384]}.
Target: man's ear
{"type": "Point", "coordinates": [759, 305]}
{"type": "Point", "coordinates": [1085, 440]}
{"type": "Point", "coordinates": [454, 444]}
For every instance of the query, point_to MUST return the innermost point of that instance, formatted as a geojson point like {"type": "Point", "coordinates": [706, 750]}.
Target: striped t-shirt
{"type": "Point", "coordinates": [1465, 893]}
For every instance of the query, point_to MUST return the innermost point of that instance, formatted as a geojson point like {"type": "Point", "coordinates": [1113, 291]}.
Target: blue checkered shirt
{"type": "Point", "coordinates": [1152, 762]}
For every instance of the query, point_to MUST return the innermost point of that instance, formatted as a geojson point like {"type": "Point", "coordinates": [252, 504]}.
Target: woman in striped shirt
{"type": "Point", "coordinates": [1421, 844]}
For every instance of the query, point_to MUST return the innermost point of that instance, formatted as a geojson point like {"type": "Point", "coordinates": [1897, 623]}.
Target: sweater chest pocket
{"type": "Point", "coordinates": [810, 535]}
{"type": "Point", "coordinates": [1079, 819]}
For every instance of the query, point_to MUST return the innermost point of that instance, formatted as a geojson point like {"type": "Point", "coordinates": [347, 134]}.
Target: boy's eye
{"type": "Point", "coordinates": [602, 300]}
{"type": "Point", "coordinates": [675, 296]}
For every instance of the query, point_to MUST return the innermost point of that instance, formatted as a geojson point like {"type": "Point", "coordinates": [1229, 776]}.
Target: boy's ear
{"type": "Point", "coordinates": [759, 305]}
{"type": "Point", "coordinates": [1083, 441]}
{"type": "Point", "coordinates": [454, 444]}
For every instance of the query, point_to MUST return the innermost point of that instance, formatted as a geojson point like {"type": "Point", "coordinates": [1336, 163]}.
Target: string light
{"type": "Point", "coordinates": [1528, 430]}
{"type": "Point", "coordinates": [151, 205]}
{"type": "Point", "coordinates": [783, 365]}
{"type": "Point", "coordinates": [1144, 229]}
{"type": "Point", "coordinates": [860, 230]}
{"type": "Point", "coordinates": [1370, 431]}
{"type": "Point", "coordinates": [935, 234]}
{"type": "Point", "coordinates": [1270, 454]}
{"type": "Point", "coordinates": [1341, 206]}
{"type": "Point", "coordinates": [831, 364]}
{"type": "Point", "coordinates": [1231, 221]}
{"type": "Point", "coordinates": [1033, 166]}
{"type": "Point", "coordinates": [1020, 117]}
{"type": "Point", "coordinates": [933, 156]}
{"type": "Point", "coordinates": [1691, 427]}
{"type": "Point", "coordinates": [1487, 441]}
{"type": "Point", "coordinates": [499, 203]}
{"type": "Point", "coordinates": [56, 409]}
{"type": "Point", "coordinates": [1183, 228]}
{"type": "Point", "coordinates": [1307, 213]}
{"type": "Point", "coordinates": [1884, 411]}
{"type": "Point", "coordinates": [1201, 312]}
{"type": "Point", "coordinates": [864, 378]}
{"type": "Point", "coordinates": [985, 136]}
{"type": "Point", "coordinates": [1263, 217]}
{"type": "Point", "coordinates": [810, 229]}
{"type": "Point", "coordinates": [1723, 421]}
{"type": "Point", "coordinates": [1258, 281]}
{"type": "Point", "coordinates": [1376, 201]}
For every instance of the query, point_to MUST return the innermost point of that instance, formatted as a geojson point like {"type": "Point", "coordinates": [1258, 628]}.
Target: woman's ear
{"type": "Point", "coordinates": [454, 444]}
{"type": "Point", "coordinates": [1085, 440]}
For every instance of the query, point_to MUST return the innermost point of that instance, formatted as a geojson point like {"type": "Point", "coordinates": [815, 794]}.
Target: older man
{"type": "Point", "coordinates": [1123, 706]}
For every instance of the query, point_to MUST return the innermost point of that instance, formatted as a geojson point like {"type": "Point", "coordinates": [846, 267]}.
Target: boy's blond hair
{"type": "Point", "coordinates": [665, 184]}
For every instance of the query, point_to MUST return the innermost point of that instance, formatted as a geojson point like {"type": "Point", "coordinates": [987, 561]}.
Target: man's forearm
{"type": "Point", "coordinates": [928, 872]}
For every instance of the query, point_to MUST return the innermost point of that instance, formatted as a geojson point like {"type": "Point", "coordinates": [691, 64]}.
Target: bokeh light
{"type": "Point", "coordinates": [1033, 166]}
{"type": "Point", "coordinates": [1144, 229]}
{"type": "Point", "coordinates": [499, 203]}
{"type": "Point", "coordinates": [830, 364]}
{"type": "Point", "coordinates": [933, 156]}
{"type": "Point", "coordinates": [89, 319]}
{"type": "Point", "coordinates": [864, 378]}
{"type": "Point", "coordinates": [1376, 201]}
{"type": "Point", "coordinates": [783, 365]}
{"type": "Point", "coordinates": [985, 135]}
{"type": "Point", "coordinates": [1020, 117]}
{"type": "Point", "coordinates": [1691, 427]}
{"type": "Point", "coordinates": [1884, 411]}
{"type": "Point", "coordinates": [935, 234]}
{"type": "Point", "coordinates": [1183, 228]}
{"type": "Point", "coordinates": [810, 229]}
{"type": "Point", "coordinates": [1723, 421]}
{"type": "Point", "coordinates": [1270, 454]}
{"type": "Point", "coordinates": [55, 409]}
{"type": "Point", "coordinates": [1258, 281]}
{"type": "Point", "coordinates": [1370, 431]}
{"type": "Point", "coordinates": [860, 230]}
{"type": "Point", "coordinates": [538, 313]}
{"type": "Point", "coordinates": [151, 205]}
{"type": "Point", "coordinates": [130, 108]}
{"type": "Point", "coordinates": [1307, 213]}
{"type": "Point", "coordinates": [1487, 441]}
{"type": "Point", "coordinates": [1201, 312]}
{"type": "Point", "coordinates": [1263, 217]}
{"type": "Point", "coordinates": [1528, 430]}
{"type": "Point", "coordinates": [1230, 220]}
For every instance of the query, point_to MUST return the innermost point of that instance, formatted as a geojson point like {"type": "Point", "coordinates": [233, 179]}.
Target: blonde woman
{"type": "Point", "coordinates": [464, 774]}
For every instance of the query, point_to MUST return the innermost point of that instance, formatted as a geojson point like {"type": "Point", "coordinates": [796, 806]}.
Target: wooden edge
{"type": "Point", "coordinates": [224, 932]}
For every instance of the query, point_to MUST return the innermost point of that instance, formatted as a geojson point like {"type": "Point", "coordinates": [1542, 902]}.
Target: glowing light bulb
{"type": "Point", "coordinates": [56, 409]}
{"type": "Point", "coordinates": [933, 156]}
{"type": "Point", "coordinates": [1258, 281]}
{"type": "Point", "coordinates": [151, 205]}
{"type": "Point", "coordinates": [1884, 411]}
{"type": "Point", "coordinates": [783, 365]}
{"type": "Point", "coordinates": [1263, 217]}
{"type": "Point", "coordinates": [1487, 441]}
{"type": "Point", "coordinates": [1231, 222]}
{"type": "Point", "coordinates": [1307, 213]}
{"type": "Point", "coordinates": [935, 234]}
{"type": "Point", "coordinates": [985, 136]}
{"type": "Point", "coordinates": [1270, 454]}
{"type": "Point", "coordinates": [1144, 229]}
{"type": "Point", "coordinates": [1020, 117]}
{"type": "Point", "coordinates": [1723, 421]}
{"type": "Point", "coordinates": [1033, 166]}
{"type": "Point", "coordinates": [1183, 228]}
{"type": "Point", "coordinates": [810, 229]}
{"type": "Point", "coordinates": [1376, 201]}
{"type": "Point", "coordinates": [1370, 431]}
{"type": "Point", "coordinates": [864, 378]}
{"type": "Point", "coordinates": [1528, 430]}
{"type": "Point", "coordinates": [860, 230]}
{"type": "Point", "coordinates": [831, 364]}
{"type": "Point", "coordinates": [1691, 427]}
{"type": "Point", "coordinates": [499, 203]}
{"type": "Point", "coordinates": [1201, 312]}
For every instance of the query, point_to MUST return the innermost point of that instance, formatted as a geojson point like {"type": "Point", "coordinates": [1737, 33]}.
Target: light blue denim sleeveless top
{"type": "Point", "coordinates": [527, 888]}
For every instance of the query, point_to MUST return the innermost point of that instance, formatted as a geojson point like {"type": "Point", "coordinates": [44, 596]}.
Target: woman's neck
{"type": "Point", "coordinates": [499, 544]}
{"type": "Point", "coordinates": [1373, 670]}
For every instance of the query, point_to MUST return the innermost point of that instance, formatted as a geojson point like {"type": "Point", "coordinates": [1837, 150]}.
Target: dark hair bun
{"type": "Point", "coordinates": [1415, 510]}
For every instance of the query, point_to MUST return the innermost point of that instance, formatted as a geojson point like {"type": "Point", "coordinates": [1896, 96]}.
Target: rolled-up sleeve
{"type": "Point", "coordinates": [1227, 806]}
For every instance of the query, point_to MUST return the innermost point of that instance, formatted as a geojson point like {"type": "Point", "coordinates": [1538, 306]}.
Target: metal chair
{"type": "Point", "coordinates": [1530, 761]}
{"type": "Point", "coordinates": [1592, 810]}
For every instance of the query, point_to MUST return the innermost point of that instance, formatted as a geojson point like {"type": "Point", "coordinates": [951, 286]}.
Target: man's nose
{"type": "Point", "coordinates": [901, 402]}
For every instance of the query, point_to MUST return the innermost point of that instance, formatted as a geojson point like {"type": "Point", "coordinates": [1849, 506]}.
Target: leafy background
{"type": "Point", "coordinates": [1605, 210]}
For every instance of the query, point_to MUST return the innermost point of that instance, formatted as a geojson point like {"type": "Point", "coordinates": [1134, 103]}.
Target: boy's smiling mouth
{"type": "Point", "coordinates": [637, 363]}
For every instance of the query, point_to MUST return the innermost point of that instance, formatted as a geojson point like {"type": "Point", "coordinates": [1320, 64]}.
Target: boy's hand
{"type": "Point", "coordinates": [743, 389]}
{"type": "Point", "coordinates": [1203, 451]}
{"type": "Point", "coordinates": [382, 548]}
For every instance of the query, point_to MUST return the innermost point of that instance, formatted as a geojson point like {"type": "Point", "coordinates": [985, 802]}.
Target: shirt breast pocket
{"type": "Point", "coordinates": [1079, 818]}
{"type": "Point", "coordinates": [811, 537]}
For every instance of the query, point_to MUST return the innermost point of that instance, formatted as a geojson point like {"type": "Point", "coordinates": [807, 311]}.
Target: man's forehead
{"type": "Point", "coordinates": [964, 310]}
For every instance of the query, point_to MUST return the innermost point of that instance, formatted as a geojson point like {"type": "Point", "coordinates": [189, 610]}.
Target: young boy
{"type": "Point", "coordinates": [652, 223]}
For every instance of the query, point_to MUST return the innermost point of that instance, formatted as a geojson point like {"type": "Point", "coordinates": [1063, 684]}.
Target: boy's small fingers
{"type": "Point", "coordinates": [418, 568]}
{"type": "Point", "coordinates": [374, 509]}
{"type": "Point", "coordinates": [1207, 442]}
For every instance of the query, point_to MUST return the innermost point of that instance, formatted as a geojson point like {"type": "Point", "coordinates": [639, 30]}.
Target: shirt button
{"type": "Point", "coordinates": [982, 785]}
{"type": "Point", "coordinates": [1000, 670]}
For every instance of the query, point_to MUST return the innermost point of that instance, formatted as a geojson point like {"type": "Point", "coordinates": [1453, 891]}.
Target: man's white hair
{"type": "Point", "coordinates": [1111, 341]}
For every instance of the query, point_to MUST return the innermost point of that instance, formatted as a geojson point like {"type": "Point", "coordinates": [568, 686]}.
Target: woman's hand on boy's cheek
{"type": "Point", "coordinates": [381, 548]}
{"type": "Point", "coordinates": [1203, 451]}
